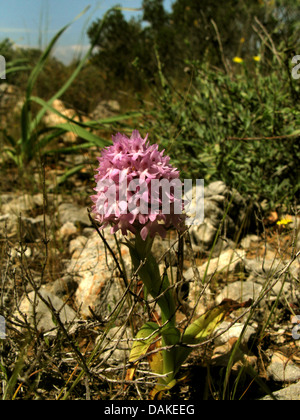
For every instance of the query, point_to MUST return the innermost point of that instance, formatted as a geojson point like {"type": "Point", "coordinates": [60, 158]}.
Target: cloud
{"type": "Point", "coordinates": [17, 30]}
{"type": "Point", "coordinates": [66, 53]}
{"type": "Point", "coordinates": [25, 31]}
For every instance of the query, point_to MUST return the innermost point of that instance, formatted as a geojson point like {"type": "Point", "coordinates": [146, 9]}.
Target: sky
{"type": "Point", "coordinates": [32, 23]}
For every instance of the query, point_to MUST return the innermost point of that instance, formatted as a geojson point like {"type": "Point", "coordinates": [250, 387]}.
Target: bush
{"type": "Point", "coordinates": [238, 128]}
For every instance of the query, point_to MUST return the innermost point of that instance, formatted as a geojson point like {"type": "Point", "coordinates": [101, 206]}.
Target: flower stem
{"type": "Point", "coordinates": [148, 270]}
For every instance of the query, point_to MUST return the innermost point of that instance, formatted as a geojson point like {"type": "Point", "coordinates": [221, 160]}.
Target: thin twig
{"type": "Point", "coordinates": [264, 137]}
{"type": "Point", "coordinates": [122, 274]}
{"type": "Point", "coordinates": [221, 47]}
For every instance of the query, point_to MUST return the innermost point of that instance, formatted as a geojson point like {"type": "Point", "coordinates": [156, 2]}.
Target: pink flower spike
{"type": "Point", "coordinates": [134, 159]}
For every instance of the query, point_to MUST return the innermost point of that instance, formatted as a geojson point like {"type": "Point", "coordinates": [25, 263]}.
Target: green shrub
{"type": "Point", "coordinates": [239, 128]}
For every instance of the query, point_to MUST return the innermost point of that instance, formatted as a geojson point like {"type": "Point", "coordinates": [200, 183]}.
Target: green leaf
{"type": "Point", "coordinates": [17, 68]}
{"type": "Point", "coordinates": [11, 154]}
{"type": "Point", "coordinates": [295, 133]}
{"type": "Point", "coordinates": [69, 173]}
{"type": "Point", "coordinates": [116, 118]}
{"type": "Point", "coordinates": [68, 150]}
{"type": "Point", "coordinates": [159, 361]}
{"type": "Point", "coordinates": [146, 335]}
{"type": "Point", "coordinates": [84, 134]}
{"type": "Point", "coordinates": [201, 329]}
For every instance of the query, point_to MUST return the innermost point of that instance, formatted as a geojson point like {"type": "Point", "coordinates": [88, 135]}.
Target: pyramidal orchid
{"type": "Point", "coordinates": [139, 191]}
{"type": "Point", "coordinates": [129, 194]}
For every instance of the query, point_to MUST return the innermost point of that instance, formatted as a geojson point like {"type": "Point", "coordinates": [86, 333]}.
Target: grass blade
{"type": "Point", "coordinates": [84, 134]}
{"type": "Point", "coordinates": [27, 127]}
{"type": "Point", "coordinates": [68, 83]}
{"type": "Point", "coordinates": [69, 173]}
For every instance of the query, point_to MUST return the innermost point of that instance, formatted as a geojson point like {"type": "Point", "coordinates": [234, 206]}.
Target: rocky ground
{"type": "Point", "coordinates": [70, 308]}
{"type": "Point", "coordinates": [70, 303]}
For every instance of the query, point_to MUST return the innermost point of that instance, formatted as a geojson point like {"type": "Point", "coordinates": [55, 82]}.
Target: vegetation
{"type": "Point", "coordinates": [213, 86]}
{"type": "Point", "coordinates": [219, 119]}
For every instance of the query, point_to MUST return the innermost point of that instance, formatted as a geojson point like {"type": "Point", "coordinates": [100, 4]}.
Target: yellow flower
{"type": "Point", "coordinates": [238, 60]}
{"type": "Point", "coordinates": [256, 58]}
{"type": "Point", "coordinates": [242, 40]}
{"type": "Point", "coordinates": [284, 221]}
